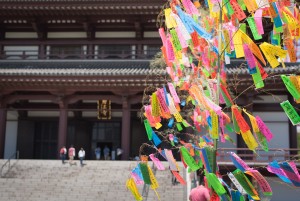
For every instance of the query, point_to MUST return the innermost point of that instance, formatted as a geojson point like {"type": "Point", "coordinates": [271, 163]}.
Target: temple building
{"type": "Point", "coordinates": [73, 72]}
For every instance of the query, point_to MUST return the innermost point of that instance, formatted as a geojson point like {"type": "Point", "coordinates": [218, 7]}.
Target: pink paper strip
{"type": "Point", "coordinates": [249, 56]}
{"type": "Point", "coordinates": [171, 160]}
{"type": "Point", "coordinates": [170, 50]}
{"type": "Point", "coordinates": [157, 162]}
{"type": "Point", "coordinates": [262, 182]}
{"type": "Point", "coordinates": [181, 39]}
{"type": "Point", "coordinates": [162, 35]}
{"type": "Point", "coordinates": [264, 129]}
{"type": "Point", "coordinates": [258, 21]}
{"type": "Point", "coordinates": [173, 93]}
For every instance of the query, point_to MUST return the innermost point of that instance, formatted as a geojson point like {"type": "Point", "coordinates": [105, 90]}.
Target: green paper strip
{"type": "Point", "coordinates": [235, 125]}
{"type": "Point", "coordinates": [206, 73]}
{"type": "Point", "coordinates": [242, 4]}
{"type": "Point", "coordinates": [185, 124]}
{"type": "Point", "coordinates": [245, 183]}
{"type": "Point", "coordinates": [145, 173]}
{"type": "Point", "coordinates": [253, 28]}
{"type": "Point", "coordinates": [227, 101]}
{"type": "Point", "coordinates": [229, 8]}
{"type": "Point", "coordinates": [290, 87]}
{"type": "Point", "coordinates": [175, 40]}
{"type": "Point", "coordinates": [258, 81]}
{"type": "Point", "coordinates": [262, 141]}
{"type": "Point", "coordinates": [188, 159]}
{"type": "Point", "coordinates": [229, 128]}
{"type": "Point", "coordinates": [210, 153]}
{"type": "Point", "coordinates": [243, 27]}
{"type": "Point", "coordinates": [148, 129]}
{"type": "Point", "coordinates": [214, 182]}
{"type": "Point", "coordinates": [179, 127]}
{"type": "Point", "coordinates": [290, 112]}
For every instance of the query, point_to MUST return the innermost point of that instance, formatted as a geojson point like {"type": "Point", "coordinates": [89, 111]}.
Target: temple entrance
{"type": "Point", "coordinates": [106, 134]}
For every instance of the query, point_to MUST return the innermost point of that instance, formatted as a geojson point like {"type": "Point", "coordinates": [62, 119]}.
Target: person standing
{"type": "Point", "coordinates": [72, 154]}
{"type": "Point", "coordinates": [106, 151]}
{"type": "Point", "coordinates": [98, 153]}
{"type": "Point", "coordinates": [119, 153]}
{"type": "Point", "coordinates": [200, 193]}
{"type": "Point", "coordinates": [63, 154]}
{"type": "Point", "coordinates": [81, 155]}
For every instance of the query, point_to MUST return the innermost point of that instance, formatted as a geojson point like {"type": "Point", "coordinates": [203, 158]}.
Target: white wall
{"type": "Point", "coordinates": [119, 34]}
{"type": "Point", "coordinates": [10, 138]}
{"type": "Point", "coordinates": [66, 34]}
{"type": "Point", "coordinates": [20, 35]}
{"type": "Point", "coordinates": [14, 51]}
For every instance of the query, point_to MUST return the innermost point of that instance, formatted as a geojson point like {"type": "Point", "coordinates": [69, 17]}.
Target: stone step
{"type": "Point", "coordinates": [97, 180]}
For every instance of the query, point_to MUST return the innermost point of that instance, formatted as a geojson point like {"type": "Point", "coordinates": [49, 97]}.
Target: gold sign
{"type": "Point", "coordinates": [104, 109]}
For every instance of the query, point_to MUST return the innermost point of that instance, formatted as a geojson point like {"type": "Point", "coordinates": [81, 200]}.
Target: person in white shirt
{"type": "Point", "coordinates": [81, 155]}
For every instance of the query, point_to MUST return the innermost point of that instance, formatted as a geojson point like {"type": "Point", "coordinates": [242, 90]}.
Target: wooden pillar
{"type": "Point", "coordinates": [3, 113]}
{"type": "Point", "coordinates": [125, 128]}
{"type": "Point", "coordinates": [62, 127]}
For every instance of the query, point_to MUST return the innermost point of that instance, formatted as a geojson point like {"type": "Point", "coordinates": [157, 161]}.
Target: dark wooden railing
{"type": "Point", "coordinates": [70, 55]}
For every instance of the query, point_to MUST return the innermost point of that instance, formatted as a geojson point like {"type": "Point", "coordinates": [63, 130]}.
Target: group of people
{"type": "Point", "coordinates": [108, 155]}
{"type": "Point", "coordinates": [81, 154]}
{"type": "Point", "coordinates": [71, 153]}
{"type": "Point", "coordinates": [106, 152]}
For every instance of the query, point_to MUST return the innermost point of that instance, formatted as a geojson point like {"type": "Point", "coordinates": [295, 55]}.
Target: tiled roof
{"type": "Point", "coordinates": [77, 68]}
{"type": "Point", "coordinates": [111, 68]}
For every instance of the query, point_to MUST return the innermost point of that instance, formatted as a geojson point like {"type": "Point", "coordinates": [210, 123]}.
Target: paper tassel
{"type": "Point", "coordinates": [157, 162]}
{"type": "Point", "coordinates": [188, 159]}
{"type": "Point", "coordinates": [215, 125]}
{"type": "Point", "coordinates": [144, 170]}
{"type": "Point", "coordinates": [171, 160]}
{"type": "Point", "coordinates": [207, 154]}
{"type": "Point", "coordinates": [154, 105]}
{"type": "Point", "coordinates": [236, 195]}
{"type": "Point", "coordinates": [262, 182]}
{"type": "Point", "coordinates": [246, 184]}
{"type": "Point", "coordinates": [132, 187]}
{"type": "Point", "coordinates": [214, 182]}
{"type": "Point", "coordinates": [148, 129]}
{"type": "Point", "coordinates": [253, 28]}
{"type": "Point", "coordinates": [290, 173]}
{"type": "Point", "coordinates": [264, 129]}
{"type": "Point", "coordinates": [262, 141]}
{"type": "Point", "coordinates": [274, 168]}
{"type": "Point", "coordinates": [178, 177]}
{"type": "Point", "coordinates": [238, 162]}
{"type": "Point", "coordinates": [271, 51]}
{"type": "Point", "coordinates": [156, 139]}
{"type": "Point", "coordinates": [137, 179]}
{"type": "Point", "coordinates": [290, 112]}
{"type": "Point", "coordinates": [249, 140]}
{"type": "Point", "coordinates": [290, 87]}
{"type": "Point", "coordinates": [240, 119]}
{"type": "Point", "coordinates": [154, 184]}
{"type": "Point", "coordinates": [257, 79]}
{"type": "Point", "coordinates": [237, 184]}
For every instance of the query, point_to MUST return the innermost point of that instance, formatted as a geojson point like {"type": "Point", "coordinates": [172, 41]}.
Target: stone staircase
{"type": "Point", "coordinates": [39, 180]}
